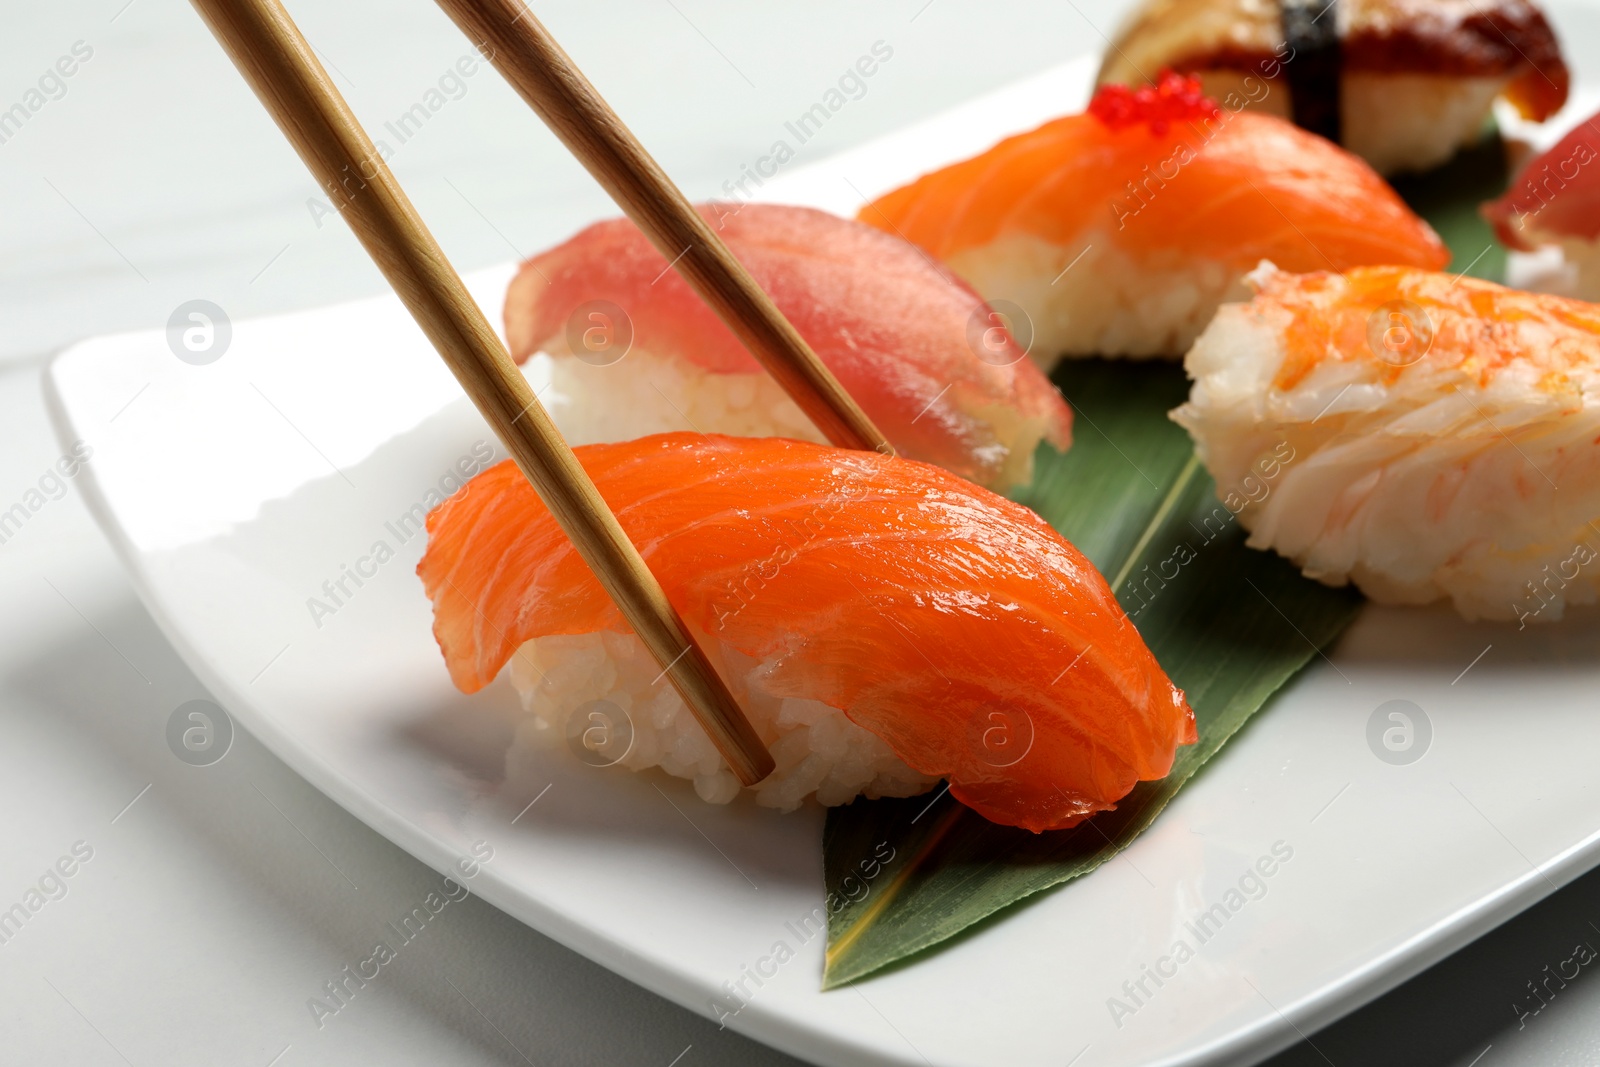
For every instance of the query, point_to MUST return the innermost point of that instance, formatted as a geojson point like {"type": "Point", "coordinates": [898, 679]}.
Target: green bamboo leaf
{"type": "Point", "coordinates": [1132, 497]}
{"type": "Point", "coordinates": [1230, 628]}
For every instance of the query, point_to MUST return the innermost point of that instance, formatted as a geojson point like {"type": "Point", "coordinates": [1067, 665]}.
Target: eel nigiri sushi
{"type": "Point", "coordinates": [1422, 435]}
{"type": "Point", "coordinates": [883, 623]}
{"type": "Point", "coordinates": [915, 346]}
{"type": "Point", "coordinates": [1120, 230]}
{"type": "Point", "coordinates": [1555, 200]}
{"type": "Point", "coordinates": [1403, 84]}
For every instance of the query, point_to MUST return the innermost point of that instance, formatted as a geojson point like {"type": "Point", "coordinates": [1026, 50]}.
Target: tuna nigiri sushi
{"type": "Point", "coordinates": [1421, 435]}
{"type": "Point", "coordinates": [1401, 83]}
{"type": "Point", "coordinates": [1120, 230]}
{"type": "Point", "coordinates": [916, 347]}
{"type": "Point", "coordinates": [883, 623]}
{"type": "Point", "coordinates": [1555, 200]}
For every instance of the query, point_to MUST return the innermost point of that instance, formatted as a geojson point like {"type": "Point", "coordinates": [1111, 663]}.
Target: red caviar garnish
{"type": "Point", "coordinates": [1173, 98]}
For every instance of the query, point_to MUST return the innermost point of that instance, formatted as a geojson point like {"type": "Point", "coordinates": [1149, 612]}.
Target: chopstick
{"type": "Point", "coordinates": [537, 67]}
{"type": "Point", "coordinates": [275, 59]}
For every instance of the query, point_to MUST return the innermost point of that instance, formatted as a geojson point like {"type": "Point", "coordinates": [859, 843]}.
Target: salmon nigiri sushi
{"type": "Point", "coordinates": [1422, 435]}
{"type": "Point", "coordinates": [883, 623]}
{"type": "Point", "coordinates": [919, 350]}
{"type": "Point", "coordinates": [1120, 230]}
{"type": "Point", "coordinates": [1555, 201]}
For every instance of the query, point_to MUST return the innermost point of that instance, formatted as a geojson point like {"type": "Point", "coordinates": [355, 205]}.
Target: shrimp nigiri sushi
{"type": "Point", "coordinates": [882, 622]}
{"type": "Point", "coordinates": [1401, 83]}
{"type": "Point", "coordinates": [915, 346]}
{"type": "Point", "coordinates": [1421, 435]}
{"type": "Point", "coordinates": [1555, 201]}
{"type": "Point", "coordinates": [1120, 230]}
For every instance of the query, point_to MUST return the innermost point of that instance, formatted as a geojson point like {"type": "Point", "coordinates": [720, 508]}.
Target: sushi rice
{"type": "Point", "coordinates": [819, 752]}
{"type": "Point", "coordinates": [1396, 122]}
{"type": "Point", "coordinates": [665, 394]}
{"type": "Point", "coordinates": [1138, 309]}
{"type": "Point", "coordinates": [661, 394]}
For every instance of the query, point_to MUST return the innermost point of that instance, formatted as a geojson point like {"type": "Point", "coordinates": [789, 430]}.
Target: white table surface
{"type": "Point", "coordinates": [219, 899]}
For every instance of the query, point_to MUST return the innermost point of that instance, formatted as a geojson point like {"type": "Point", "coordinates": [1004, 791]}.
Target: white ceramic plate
{"type": "Point", "coordinates": [235, 490]}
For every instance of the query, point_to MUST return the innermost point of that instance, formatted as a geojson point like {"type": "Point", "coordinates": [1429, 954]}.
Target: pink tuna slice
{"type": "Point", "coordinates": [901, 333]}
{"type": "Point", "coordinates": [1555, 196]}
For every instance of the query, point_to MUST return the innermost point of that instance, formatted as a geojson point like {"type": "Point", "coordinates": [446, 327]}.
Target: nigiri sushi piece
{"type": "Point", "coordinates": [1404, 84]}
{"type": "Point", "coordinates": [1120, 230]}
{"type": "Point", "coordinates": [927, 361]}
{"type": "Point", "coordinates": [882, 622]}
{"type": "Point", "coordinates": [1422, 435]}
{"type": "Point", "coordinates": [1555, 201]}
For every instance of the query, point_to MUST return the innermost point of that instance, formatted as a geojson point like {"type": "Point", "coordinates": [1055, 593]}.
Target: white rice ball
{"type": "Point", "coordinates": [819, 752]}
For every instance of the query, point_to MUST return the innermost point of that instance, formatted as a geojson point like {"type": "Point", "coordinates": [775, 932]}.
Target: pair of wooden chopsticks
{"type": "Point", "coordinates": [275, 59]}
